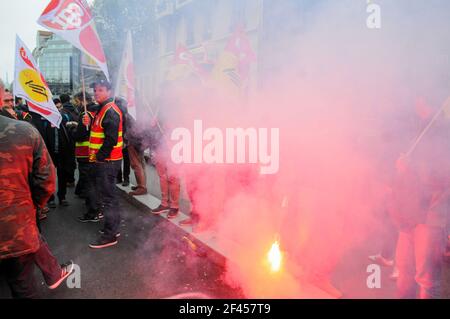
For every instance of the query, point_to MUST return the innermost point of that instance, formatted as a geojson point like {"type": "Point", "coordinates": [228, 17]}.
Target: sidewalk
{"type": "Point", "coordinates": [207, 238]}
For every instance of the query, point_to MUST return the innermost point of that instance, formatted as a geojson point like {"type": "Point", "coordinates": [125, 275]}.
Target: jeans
{"type": "Point", "coordinates": [389, 239]}
{"type": "Point", "coordinates": [169, 183]}
{"type": "Point", "coordinates": [105, 175]}
{"type": "Point", "coordinates": [419, 261]}
{"type": "Point", "coordinates": [138, 164]}
{"type": "Point", "coordinates": [47, 263]}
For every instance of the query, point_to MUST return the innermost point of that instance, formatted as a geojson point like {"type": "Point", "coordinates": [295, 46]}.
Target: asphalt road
{"type": "Point", "coordinates": [151, 259]}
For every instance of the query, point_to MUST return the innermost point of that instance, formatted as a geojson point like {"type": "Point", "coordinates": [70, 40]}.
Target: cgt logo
{"type": "Point", "coordinates": [374, 19]}
{"type": "Point", "coordinates": [71, 15]}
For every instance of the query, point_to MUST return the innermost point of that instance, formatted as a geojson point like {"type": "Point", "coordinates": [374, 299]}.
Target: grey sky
{"type": "Point", "coordinates": [17, 17]}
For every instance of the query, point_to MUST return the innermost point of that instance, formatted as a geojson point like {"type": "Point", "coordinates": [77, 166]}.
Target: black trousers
{"type": "Point", "coordinates": [104, 187]}
{"type": "Point", "coordinates": [124, 175]}
{"type": "Point", "coordinates": [83, 179]}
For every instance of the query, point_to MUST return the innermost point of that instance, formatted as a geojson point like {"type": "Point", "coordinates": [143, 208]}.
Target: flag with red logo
{"type": "Point", "coordinates": [184, 66]}
{"type": "Point", "coordinates": [125, 87]}
{"type": "Point", "coordinates": [30, 85]}
{"type": "Point", "coordinates": [73, 21]}
{"type": "Point", "coordinates": [231, 71]}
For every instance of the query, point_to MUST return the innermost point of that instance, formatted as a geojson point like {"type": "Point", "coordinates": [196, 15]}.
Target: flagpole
{"type": "Point", "coordinates": [433, 120]}
{"type": "Point", "coordinates": [83, 85]}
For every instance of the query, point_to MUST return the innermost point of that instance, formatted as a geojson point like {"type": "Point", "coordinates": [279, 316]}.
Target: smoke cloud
{"type": "Point", "coordinates": [348, 100]}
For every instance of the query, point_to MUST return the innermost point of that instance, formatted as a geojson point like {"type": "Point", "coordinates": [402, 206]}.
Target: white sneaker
{"type": "Point", "coordinates": [382, 261]}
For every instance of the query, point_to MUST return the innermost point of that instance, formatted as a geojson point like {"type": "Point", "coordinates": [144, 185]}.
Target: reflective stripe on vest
{"type": "Point", "coordinates": [97, 135]}
{"type": "Point", "coordinates": [82, 148]}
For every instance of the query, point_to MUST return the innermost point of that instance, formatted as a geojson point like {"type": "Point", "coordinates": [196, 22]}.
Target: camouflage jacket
{"type": "Point", "coordinates": [27, 180]}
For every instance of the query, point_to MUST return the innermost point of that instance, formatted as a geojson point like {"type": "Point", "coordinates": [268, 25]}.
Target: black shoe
{"type": "Point", "coordinates": [133, 188]}
{"type": "Point", "coordinates": [52, 204]}
{"type": "Point", "coordinates": [103, 243]}
{"type": "Point", "coordinates": [88, 219]}
{"type": "Point", "coordinates": [70, 185]}
{"type": "Point", "coordinates": [173, 212]}
{"type": "Point", "coordinates": [102, 232]}
{"type": "Point", "coordinates": [64, 203]}
{"type": "Point", "coordinates": [160, 210]}
{"type": "Point", "coordinates": [66, 270]}
{"type": "Point", "coordinates": [126, 183]}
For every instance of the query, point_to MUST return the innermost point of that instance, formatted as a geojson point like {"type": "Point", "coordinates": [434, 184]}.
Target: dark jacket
{"type": "Point", "coordinates": [58, 141]}
{"type": "Point", "coordinates": [110, 123]}
{"type": "Point", "coordinates": [69, 113]}
{"type": "Point", "coordinates": [27, 180]}
{"type": "Point", "coordinates": [20, 115]}
{"type": "Point", "coordinates": [5, 113]}
{"type": "Point", "coordinates": [80, 133]}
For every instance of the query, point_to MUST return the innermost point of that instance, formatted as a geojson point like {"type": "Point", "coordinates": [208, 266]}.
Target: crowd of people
{"type": "Point", "coordinates": [98, 137]}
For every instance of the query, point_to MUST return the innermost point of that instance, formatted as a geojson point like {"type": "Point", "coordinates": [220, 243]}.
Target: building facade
{"type": "Point", "coordinates": [202, 26]}
{"type": "Point", "coordinates": [59, 62]}
{"type": "Point", "coordinates": [205, 27]}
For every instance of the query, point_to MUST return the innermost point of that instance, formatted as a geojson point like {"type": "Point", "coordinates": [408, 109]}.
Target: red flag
{"type": "Point", "coordinates": [232, 68]}
{"type": "Point", "coordinates": [184, 65]}
{"type": "Point", "coordinates": [73, 21]}
{"type": "Point", "coordinates": [240, 46]}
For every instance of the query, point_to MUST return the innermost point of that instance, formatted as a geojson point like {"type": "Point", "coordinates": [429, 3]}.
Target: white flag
{"type": "Point", "coordinates": [125, 87]}
{"type": "Point", "coordinates": [89, 63]}
{"type": "Point", "coordinates": [72, 20]}
{"type": "Point", "coordinates": [30, 85]}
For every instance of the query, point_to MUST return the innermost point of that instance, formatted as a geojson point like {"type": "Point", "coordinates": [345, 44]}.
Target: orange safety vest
{"type": "Point", "coordinates": [97, 136]}
{"type": "Point", "coordinates": [82, 148]}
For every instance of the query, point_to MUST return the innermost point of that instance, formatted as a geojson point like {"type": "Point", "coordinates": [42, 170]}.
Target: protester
{"type": "Point", "coordinates": [30, 182]}
{"type": "Point", "coordinates": [105, 154]}
{"type": "Point", "coordinates": [69, 114]}
{"type": "Point", "coordinates": [8, 110]}
{"type": "Point", "coordinates": [80, 134]}
{"type": "Point", "coordinates": [419, 205]}
{"type": "Point", "coordinates": [123, 176]}
{"type": "Point", "coordinates": [85, 186]}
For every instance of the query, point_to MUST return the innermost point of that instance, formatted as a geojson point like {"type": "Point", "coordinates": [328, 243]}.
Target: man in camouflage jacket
{"type": "Point", "coordinates": [27, 180]}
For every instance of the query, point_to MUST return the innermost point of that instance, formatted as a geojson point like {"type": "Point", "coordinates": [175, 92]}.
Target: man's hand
{"type": "Point", "coordinates": [86, 120]}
